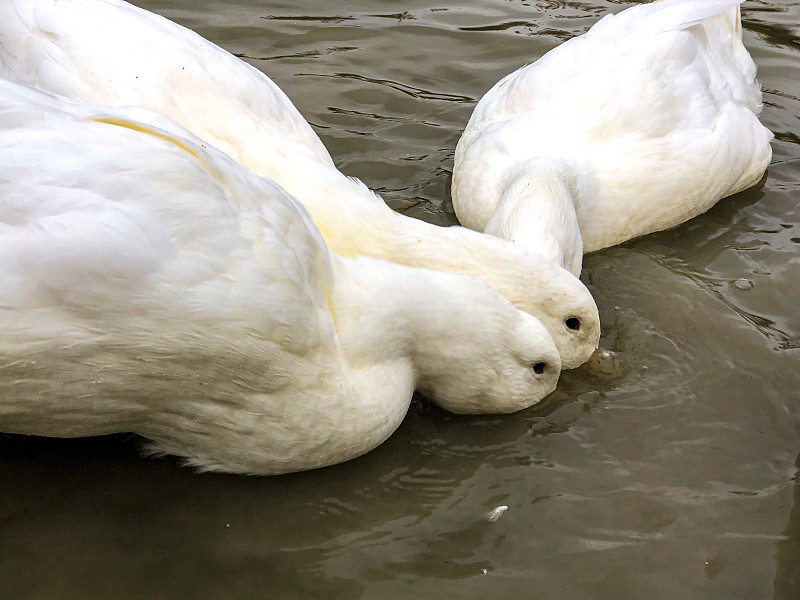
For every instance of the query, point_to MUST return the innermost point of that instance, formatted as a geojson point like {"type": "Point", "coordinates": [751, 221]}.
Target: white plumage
{"type": "Point", "coordinates": [110, 53]}
{"type": "Point", "coordinates": [642, 123]}
{"type": "Point", "coordinates": [148, 283]}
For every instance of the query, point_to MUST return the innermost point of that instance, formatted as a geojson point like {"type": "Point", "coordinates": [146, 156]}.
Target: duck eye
{"type": "Point", "coordinates": [573, 323]}
{"type": "Point", "coordinates": [538, 368]}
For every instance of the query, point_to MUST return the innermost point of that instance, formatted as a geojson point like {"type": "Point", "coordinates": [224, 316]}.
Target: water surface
{"type": "Point", "coordinates": [677, 480]}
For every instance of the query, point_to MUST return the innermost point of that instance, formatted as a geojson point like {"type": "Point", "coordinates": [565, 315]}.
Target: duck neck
{"type": "Point", "coordinates": [354, 221]}
{"type": "Point", "coordinates": [408, 322]}
{"type": "Point", "coordinates": [536, 210]}
{"type": "Point", "coordinates": [390, 314]}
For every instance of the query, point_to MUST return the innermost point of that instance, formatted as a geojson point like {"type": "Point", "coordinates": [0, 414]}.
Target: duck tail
{"type": "Point", "coordinates": [682, 14]}
{"type": "Point", "coordinates": [663, 16]}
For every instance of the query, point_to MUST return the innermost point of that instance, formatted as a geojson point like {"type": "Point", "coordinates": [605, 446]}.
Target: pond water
{"type": "Point", "coordinates": [676, 480]}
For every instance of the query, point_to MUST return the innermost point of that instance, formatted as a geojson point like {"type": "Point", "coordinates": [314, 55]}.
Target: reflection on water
{"type": "Point", "coordinates": [673, 480]}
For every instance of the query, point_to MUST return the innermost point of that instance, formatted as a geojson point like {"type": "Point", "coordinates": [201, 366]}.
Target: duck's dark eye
{"type": "Point", "coordinates": [573, 323]}
{"type": "Point", "coordinates": [538, 368]}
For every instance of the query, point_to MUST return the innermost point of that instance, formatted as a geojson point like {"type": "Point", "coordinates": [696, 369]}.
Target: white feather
{"type": "Point", "coordinates": [110, 53]}
{"type": "Point", "coordinates": [649, 118]}
{"type": "Point", "coordinates": [148, 283]}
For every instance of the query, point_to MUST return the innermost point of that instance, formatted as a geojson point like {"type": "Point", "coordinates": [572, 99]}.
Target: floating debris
{"type": "Point", "coordinates": [744, 284]}
{"type": "Point", "coordinates": [495, 513]}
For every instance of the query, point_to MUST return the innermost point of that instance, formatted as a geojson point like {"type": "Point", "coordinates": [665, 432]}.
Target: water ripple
{"type": "Point", "coordinates": [409, 90]}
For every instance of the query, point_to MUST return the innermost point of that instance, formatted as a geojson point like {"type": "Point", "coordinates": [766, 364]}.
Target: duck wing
{"type": "Point", "coordinates": [74, 48]}
{"type": "Point", "coordinates": [115, 231]}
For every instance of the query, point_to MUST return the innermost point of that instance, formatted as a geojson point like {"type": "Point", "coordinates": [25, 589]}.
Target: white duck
{"type": "Point", "coordinates": [110, 53]}
{"type": "Point", "coordinates": [638, 125]}
{"type": "Point", "coordinates": [148, 283]}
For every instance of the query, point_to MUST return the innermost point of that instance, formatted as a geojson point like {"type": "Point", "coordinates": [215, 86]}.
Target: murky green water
{"type": "Point", "coordinates": [675, 481]}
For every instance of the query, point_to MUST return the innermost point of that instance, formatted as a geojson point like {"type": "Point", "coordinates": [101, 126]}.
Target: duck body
{"type": "Point", "coordinates": [107, 52]}
{"type": "Point", "coordinates": [647, 120]}
{"type": "Point", "coordinates": [150, 284]}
